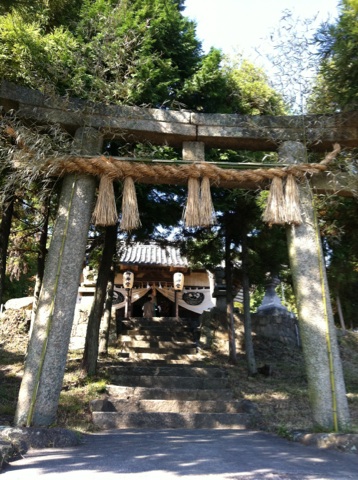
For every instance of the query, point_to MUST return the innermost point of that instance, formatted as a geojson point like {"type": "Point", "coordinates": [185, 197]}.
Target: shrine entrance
{"type": "Point", "coordinates": [291, 183]}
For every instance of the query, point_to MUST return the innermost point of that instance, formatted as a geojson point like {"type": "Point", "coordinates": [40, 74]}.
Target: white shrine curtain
{"type": "Point", "coordinates": [199, 299]}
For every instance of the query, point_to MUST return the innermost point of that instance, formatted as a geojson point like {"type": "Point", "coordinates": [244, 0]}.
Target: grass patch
{"type": "Point", "coordinates": [74, 412]}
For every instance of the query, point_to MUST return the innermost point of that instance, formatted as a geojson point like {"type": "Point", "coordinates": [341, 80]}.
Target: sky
{"type": "Point", "coordinates": [247, 26]}
{"type": "Point", "coordinates": [242, 25]}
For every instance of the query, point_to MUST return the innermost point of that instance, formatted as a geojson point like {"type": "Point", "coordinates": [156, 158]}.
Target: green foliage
{"type": "Point", "coordinates": [205, 250]}
{"type": "Point", "coordinates": [208, 90]}
{"type": "Point", "coordinates": [230, 86]}
{"type": "Point", "coordinates": [284, 432]}
{"type": "Point", "coordinates": [256, 297]}
{"type": "Point", "coordinates": [338, 48]}
{"type": "Point", "coordinates": [321, 100]}
{"type": "Point", "coordinates": [336, 90]}
{"type": "Point", "coordinates": [32, 58]}
{"type": "Point", "coordinates": [338, 225]}
{"type": "Point", "coordinates": [49, 12]}
{"type": "Point", "coordinates": [127, 51]}
{"type": "Point", "coordinates": [23, 249]}
{"type": "Point", "coordinates": [251, 92]}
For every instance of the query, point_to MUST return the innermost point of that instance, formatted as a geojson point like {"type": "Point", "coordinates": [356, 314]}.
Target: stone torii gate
{"type": "Point", "coordinates": [91, 124]}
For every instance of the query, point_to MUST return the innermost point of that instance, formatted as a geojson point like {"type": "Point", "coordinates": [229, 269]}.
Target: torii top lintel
{"type": "Point", "coordinates": [230, 131]}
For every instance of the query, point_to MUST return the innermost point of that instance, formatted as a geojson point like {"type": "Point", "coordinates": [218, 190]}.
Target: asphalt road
{"type": "Point", "coordinates": [184, 454]}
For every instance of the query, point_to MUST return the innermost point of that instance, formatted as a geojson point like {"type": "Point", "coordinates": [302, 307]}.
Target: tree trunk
{"type": "Point", "coordinates": [230, 302]}
{"type": "Point", "coordinates": [318, 333]}
{"type": "Point", "coordinates": [249, 347]}
{"type": "Point", "coordinates": [90, 354]}
{"type": "Point", "coordinates": [46, 359]}
{"type": "Point", "coordinates": [41, 257]}
{"type": "Point", "coordinates": [107, 316]}
{"type": "Point", "coordinates": [5, 228]}
{"type": "Point", "coordinates": [340, 313]}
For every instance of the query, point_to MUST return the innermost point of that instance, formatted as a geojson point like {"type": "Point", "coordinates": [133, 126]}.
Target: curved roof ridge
{"type": "Point", "coordinates": [153, 254]}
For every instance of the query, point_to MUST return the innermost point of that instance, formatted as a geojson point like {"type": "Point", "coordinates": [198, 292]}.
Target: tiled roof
{"type": "Point", "coordinates": [151, 254]}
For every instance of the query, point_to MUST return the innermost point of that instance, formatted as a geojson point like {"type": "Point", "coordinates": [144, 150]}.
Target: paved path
{"type": "Point", "coordinates": [187, 455]}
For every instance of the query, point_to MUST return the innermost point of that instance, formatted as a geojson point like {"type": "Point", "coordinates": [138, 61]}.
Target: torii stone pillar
{"type": "Point", "coordinates": [318, 333]}
{"type": "Point", "coordinates": [46, 360]}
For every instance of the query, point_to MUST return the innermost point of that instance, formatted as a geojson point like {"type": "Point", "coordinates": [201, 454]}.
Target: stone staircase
{"type": "Point", "coordinates": [161, 383]}
{"type": "Point", "coordinates": [165, 340]}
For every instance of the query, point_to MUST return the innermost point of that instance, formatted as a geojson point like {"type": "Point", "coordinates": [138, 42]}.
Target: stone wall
{"type": "Point", "coordinates": [280, 326]}
{"type": "Point", "coordinates": [79, 327]}
{"type": "Point", "coordinates": [274, 324]}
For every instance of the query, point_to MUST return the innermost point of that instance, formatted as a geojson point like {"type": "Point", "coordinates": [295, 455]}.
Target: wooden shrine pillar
{"type": "Point", "coordinates": [46, 360]}
{"type": "Point", "coordinates": [318, 333]}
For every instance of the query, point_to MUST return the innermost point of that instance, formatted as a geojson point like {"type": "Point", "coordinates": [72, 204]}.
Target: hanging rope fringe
{"type": "Point", "coordinates": [105, 211]}
{"type": "Point", "coordinates": [275, 212]}
{"type": "Point", "coordinates": [207, 212]}
{"type": "Point", "coordinates": [191, 214]}
{"type": "Point", "coordinates": [199, 209]}
{"type": "Point", "coordinates": [130, 214]}
{"type": "Point", "coordinates": [292, 201]}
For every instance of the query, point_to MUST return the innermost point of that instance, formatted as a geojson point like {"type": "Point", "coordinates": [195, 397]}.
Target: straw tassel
{"type": "Point", "coordinates": [130, 214]}
{"type": "Point", "coordinates": [292, 200]}
{"type": "Point", "coordinates": [275, 212]}
{"type": "Point", "coordinates": [207, 212]}
{"type": "Point", "coordinates": [191, 213]}
{"type": "Point", "coordinates": [105, 211]}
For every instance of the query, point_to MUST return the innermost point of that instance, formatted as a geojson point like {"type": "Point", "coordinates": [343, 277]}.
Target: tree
{"type": "Point", "coordinates": [107, 314]}
{"type": "Point", "coordinates": [338, 226]}
{"type": "Point", "coordinates": [230, 85]}
{"type": "Point", "coordinates": [338, 50]}
{"type": "Point", "coordinates": [53, 12]}
{"type": "Point", "coordinates": [5, 226]}
{"type": "Point", "coordinates": [32, 204]}
{"type": "Point", "coordinates": [136, 52]}
{"type": "Point", "coordinates": [249, 348]}
{"type": "Point", "coordinates": [336, 90]}
{"type": "Point", "coordinates": [90, 354]}
{"type": "Point", "coordinates": [41, 253]}
{"type": "Point", "coordinates": [242, 214]}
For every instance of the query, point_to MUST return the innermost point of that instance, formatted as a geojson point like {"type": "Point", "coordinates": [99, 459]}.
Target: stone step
{"type": "Point", "coordinates": [168, 370]}
{"type": "Point", "coordinates": [177, 350]}
{"type": "Point", "coordinates": [180, 325]}
{"type": "Point", "coordinates": [164, 405]}
{"type": "Point", "coordinates": [135, 393]}
{"type": "Point", "coordinates": [155, 338]}
{"type": "Point", "coordinates": [157, 344]}
{"type": "Point", "coordinates": [177, 324]}
{"type": "Point", "coordinates": [159, 321]}
{"type": "Point", "coordinates": [157, 331]}
{"type": "Point", "coordinates": [158, 357]}
{"type": "Point", "coordinates": [170, 382]}
{"type": "Point", "coordinates": [154, 359]}
{"type": "Point", "coordinates": [156, 420]}
{"type": "Point", "coordinates": [127, 359]}
{"type": "Point", "coordinates": [162, 384]}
